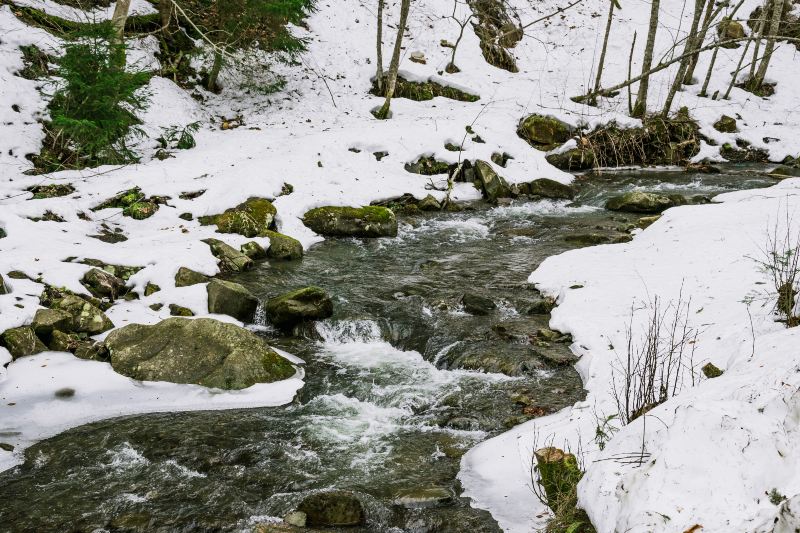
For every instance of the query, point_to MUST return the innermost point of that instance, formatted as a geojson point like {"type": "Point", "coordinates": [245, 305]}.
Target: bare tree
{"type": "Point", "coordinates": [769, 48]}
{"type": "Point", "coordinates": [691, 38]}
{"type": "Point", "coordinates": [379, 45]}
{"type": "Point", "coordinates": [710, 71]}
{"type": "Point", "coordinates": [688, 77]}
{"type": "Point", "coordinates": [640, 107]}
{"type": "Point", "coordinates": [391, 82]}
{"type": "Point", "coordinates": [611, 5]}
{"type": "Point", "coordinates": [762, 23]}
{"type": "Point", "coordinates": [462, 24]}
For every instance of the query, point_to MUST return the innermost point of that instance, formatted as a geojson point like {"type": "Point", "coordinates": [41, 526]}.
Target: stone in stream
{"type": "Point", "coordinates": [785, 171]}
{"type": "Point", "coordinates": [368, 221]}
{"type": "Point", "coordinates": [475, 304]}
{"type": "Point", "coordinates": [542, 306]}
{"type": "Point", "coordinates": [332, 509]}
{"type": "Point", "coordinates": [21, 341]}
{"type": "Point", "coordinates": [101, 284]}
{"type": "Point", "coordinates": [186, 277]}
{"type": "Point", "coordinates": [202, 351]}
{"type": "Point", "coordinates": [230, 259]}
{"type": "Point", "coordinates": [283, 247]}
{"type": "Point", "coordinates": [422, 497]}
{"type": "Point", "coordinates": [232, 299]}
{"type": "Point", "coordinates": [86, 317]}
{"type": "Point", "coordinates": [547, 188]}
{"type": "Point", "coordinates": [494, 186]}
{"type": "Point", "coordinates": [639, 202]}
{"type": "Point", "coordinates": [429, 203]}
{"type": "Point", "coordinates": [253, 250]}
{"type": "Point", "coordinates": [250, 218]}
{"type": "Point", "coordinates": [292, 308]}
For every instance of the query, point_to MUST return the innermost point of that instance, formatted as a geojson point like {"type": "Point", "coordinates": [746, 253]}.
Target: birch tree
{"type": "Point", "coordinates": [769, 48]}
{"type": "Point", "coordinates": [119, 18]}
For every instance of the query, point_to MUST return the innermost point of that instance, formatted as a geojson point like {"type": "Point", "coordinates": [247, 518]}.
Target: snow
{"type": "Point", "coordinates": [737, 432]}
{"type": "Point", "coordinates": [302, 136]}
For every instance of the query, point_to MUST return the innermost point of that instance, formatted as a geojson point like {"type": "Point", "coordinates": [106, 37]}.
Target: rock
{"type": "Point", "coordinates": [202, 351]}
{"type": "Point", "coordinates": [178, 310]}
{"type": "Point", "coordinates": [557, 356]}
{"type": "Point", "coordinates": [711, 371]}
{"type": "Point", "coordinates": [429, 203]}
{"type": "Point", "coordinates": [332, 509]}
{"type": "Point", "coordinates": [785, 171]}
{"type": "Point", "coordinates": [21, 341]}
{"type": "Point", "coordinates": [572, 159]}
{"type": "Point", "coordinates": [548, 188]}
{"type": "Point", "coordinates": [549, 334]}
{"type": "Point", "coordinates": [6, 447]}
{"type": "Point", "coordinates": [232, 299]}
{"type": "Point", "coordinates": [102, 284]}
{"type": "Point", "coordinates": [151, 288]}
{"type": "Point", "coordinates": [369, 221]}
{"type": "Point", "coordinates": [186, 277]}
{"type": "Point", "coordinates": [477, 305]}
{"type": "Point", "coordinates": [230, 259]}
{"type": "Point", "coordinates": [253, 250]}
{"type": "Point", "coordinates": [587, 239]}
{"type": "Point", "coordinates": [81, 348]}
{"type": "Point", "coordinates": [726, 124]}
{"type": "Point", "coordinates": [296, 518]}
{"type": "Point", "coordinates": [123, 272]}
{"type": "Point", "coordinates": [46, 321]}
{"type": "Point", "coordinates": [3, 288]}
{"type": "Point", "coordinates": [423, 497]}
{"type": "Point", "coordinates": [50, 191]}
{"type": "Point", "coordinates": [86, 317]}
{"type": "Point", "coordinates": [418, 57]}
{"type": "Point", "coordinates": [544, 133]}
{"type": "Point", "coordinates": [290, 309]}
{"type": "Point", "coordinates": [250, 218]}
{"type": "Point", "coordinates": [463, 423]}
{"type": "Point", "coordinates": [493, 185]}
{"type": "Point", "coordinates": [639, 202]}
{"type": "Point", "coordinates": [542, 306]}
{"type": "Point", "coordinates": [283, 247]}
{"type": "Point", "coordinates": [644, 222]}
{"type": "Point", "coordinates": [140, 210]}
{"type": "Point", "coordinates": [730, 29]}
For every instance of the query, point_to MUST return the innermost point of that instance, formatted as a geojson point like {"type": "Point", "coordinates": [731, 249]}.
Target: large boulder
{"type": "Point", "coordinates": [21, 341]}
{"type": "Point", "coordinates": [250, 218]}
{"type": "Point", "coordinates": [544, 133]}
{"type": "Point", "coordinates": [230, 259]}
{"type": "Point", "coordinates": [547, 188]}
{"type": "Point", "coordinates": [639, 202]}
{"type": "Point", "coordinates": [102, 284]}
{"type": "Point", "coordinates": [292, 308]}
{"type": "Point", "coordinates": [186, 277]}
{"type": "Point", "coordinates": [46, 321]}
{"type": "Point", "coordinates": [368, 221]}
{"type": "Point", "coordinates": [202, 351]}
{"type": "Point", "coordinates": [86, 317]}
{"type": "Point", "coordinates": [332, 509]}
{"type": "Point", "coordinates": [232, 299]}
{"type": "Point", "coordinates": [283, 247]}
{"type": "Point", "coordinates": [493, 185]}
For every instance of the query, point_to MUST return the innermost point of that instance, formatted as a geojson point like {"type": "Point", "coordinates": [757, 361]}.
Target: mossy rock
{"type": "Point", "coordinates": [711, 371]}
{"type": "Point", "coordinates": [639, 202]}
{"type": "Point", "coordinates": [50, 191]}
{"type": "Point", "coordinates": [186, 277]}
{"type": "Point", "coordinates": [151, 288]}
{"type": "Point", "coordinates": [86, 317]}
{"type": "Point", "coordinates": [133, 203]}
{"type": "Point", "coordinates": [423, 91]}
{"type": "Point", "coordinates": [283, 247]}
{"type": "Point", "coordinates": [429, 203]}
{"type": "Point", "coordinates": [785, 171]}
{"type": "Point", "coordinates": [202, 351]}
{"type": "Point", "coordinates": [645, 222]}
{"type": "Point", "coordinates": [251, 218]}
{"type": "Point", "coordinates": [46, 321]}
{"type": "Point", "coordinates": [492, 184]}
{"type": "Point", "coordinates": [332, 509]}
{"type": "Point", "coordinates": [179, 310]}
{"type": "Point", "coordinates": [140, 210]}
{"type": "Point", "coordinates": [301, 305]}
{"type": "Point", "coordinates": [726, 124]}
{"type": "Point", "coordinates": [123, 272]}
{"type": "Point", "coordinates": [429, 166]}
{"type": "Point", "coordinates": [232, 299]}
{"type": "Point", "coordinates": [78, 346]}
{"type": "Point", "coordinates": [476, 304]}
{"type": "Point", "coordinates": [3, 287]}
{"type": "Point", "coordinates": [230, 259]}
{"type": "Point", "coordinates": [102, 284]}
{"type": "Point", "coordinates": [543, 132]}
{"type": "Point", "coordinates": [253, 250]}
{"type": "Point", "coordinates": [547, 188]}
{"type": "Point", "coordinates": [21, 341]}
{"type": "Point", "coordinates": [368, 221]}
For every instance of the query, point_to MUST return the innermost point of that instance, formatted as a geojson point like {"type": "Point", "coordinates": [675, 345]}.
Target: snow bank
{"type": "Point", "coordinates": [714, 452]}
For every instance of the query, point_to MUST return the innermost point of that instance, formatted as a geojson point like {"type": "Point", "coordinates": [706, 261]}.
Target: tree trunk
{"type": "Point", "coordinates": [691, 39]}
{"type": "Point", "coordinates": [119, 17]}
{"type": "Point", "coordinates": [688, 77]}
{"type": "Point", "coordinates": [214, 73]}
{"type": "Point", "coordinates": [640, 108]}
{"type": "Point", "coordinates": [774, 28]}
{"type": "Point", "coordinates": [559, 474]}
{"type": "Point", "coordinates": [704, 90]}
{"type": "Point", "coordinates": [762, 22]}
{"type": "Point", "coordinates": [165, 11]}
{"type": "Point", "coordinates": [391, 82]}
{"type": "Point", "coordinates": [379, 39]}
{"type": "Point", "coordinates": [602, 61]}
{"type": "Point", "coordinates": [736, 71]}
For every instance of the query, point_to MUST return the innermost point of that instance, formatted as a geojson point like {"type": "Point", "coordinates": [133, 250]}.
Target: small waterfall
{"type": "Point", "coordinates": [260, 317]}
{"type": "Point", "coordinates": [349, 331]}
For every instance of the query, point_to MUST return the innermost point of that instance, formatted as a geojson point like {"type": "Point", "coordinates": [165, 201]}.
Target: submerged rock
{"type": "Point", "coordinates": [250, 218]}
{"type": "Point", "coordinates": [290, 309]}
{"type": "Point", "coordinates": [423, 497]}
{"type": "Point", "coordinates": [369, 221]}
{"type": "Point", "coordinates": [639, 202]}
{"type": "Point", "coordinates": [232, 299]}
{"type": "Point", "coordinates": [21, 341]}
{"type": "Point", "coordinates": [283, 247]}
{"type": "Point", "coordinates": [332, 509]}
{"type": "Point", "coordinates": [477, 305]}
{"type": "Point", "coordinates": [202, 351]}
{"type": "Point", "coordinates": [186, 277]}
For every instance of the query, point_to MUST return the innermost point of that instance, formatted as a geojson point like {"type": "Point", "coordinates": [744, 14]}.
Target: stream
{"type": "Point", "coordinates": [400, 383]}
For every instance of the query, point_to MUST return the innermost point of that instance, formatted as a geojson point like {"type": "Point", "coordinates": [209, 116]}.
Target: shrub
{"type": "Point", "coordinates": [92, 110]}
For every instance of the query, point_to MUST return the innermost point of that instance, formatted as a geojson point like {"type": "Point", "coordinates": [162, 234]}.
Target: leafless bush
{"type": "Point", "coordinates": [655, 364]}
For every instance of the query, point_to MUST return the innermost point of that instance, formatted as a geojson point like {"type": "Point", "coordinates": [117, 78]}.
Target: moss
{"type": "Point", "coordinates": [283, 247]}
{"type": "Point", "coordinates": [369, 221]}
{"type": "Point", "coordinates": [61, 27]}
{"type": "Point", "coordinates": [50, 191]}
{"type": "Point", "coordinates": [251, 218]}
{"type": "Point", "coordinates": [140, 210]}
{"type": "Point", "coordinates": [178, 310]}
{"type": "Point", "coordinates": [423, 91]}
{"type": "Point", "coordinates": [711, 371]}
{"type": "Point", "coordinates": [544, 132]}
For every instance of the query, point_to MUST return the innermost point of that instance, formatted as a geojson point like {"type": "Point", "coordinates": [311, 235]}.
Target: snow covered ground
{"type": "Point", "coordinates": [303, 136]}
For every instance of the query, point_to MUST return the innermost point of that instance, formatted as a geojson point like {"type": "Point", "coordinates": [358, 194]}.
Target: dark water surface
{"type": "Point", "coordinates": [395, 389]}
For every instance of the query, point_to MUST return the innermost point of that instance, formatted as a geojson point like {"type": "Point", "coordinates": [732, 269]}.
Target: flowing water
{"type": "Point", "coordinates": [399, 384]}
